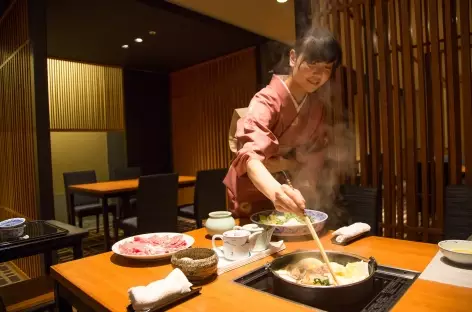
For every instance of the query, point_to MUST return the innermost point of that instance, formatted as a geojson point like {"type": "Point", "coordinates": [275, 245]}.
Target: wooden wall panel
{"type": "Point", "coordinates": [465, 11]}
{"type": "Point", "coordinates": [416, 81]}
{"type": "Point", "coordinates": [452, 91]}
{"type": "Point", "coordinates": [423, 116]}
{"type": "Point", "coordinates": [18, 188]}
{"type": "Point", "coordinates": [85, 97]}
{"type": "Point", "coordinates": [410, 119]}
{"type": "Point", "coordinates": [435, 99]}
{"type": "Point", "coordinates": [203, 98]}
{"type": "Point", "coordinates": [395, 42]}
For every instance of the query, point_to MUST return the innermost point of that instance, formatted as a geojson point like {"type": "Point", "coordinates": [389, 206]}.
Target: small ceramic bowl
{"type": "Point", "coordinates": [293, 230]}
{"type": "Point", "coordinates": [459, 251]}
{"type": "Point", "coordinates": [198, 264]}
{"type": "Point", "coordinates": [11, 223]}
{"type": "Point", "coordinates": [12, 228]}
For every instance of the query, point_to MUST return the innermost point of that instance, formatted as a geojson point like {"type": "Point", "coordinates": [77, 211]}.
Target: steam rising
{"type": "Point", "coordinates": [323, 170]}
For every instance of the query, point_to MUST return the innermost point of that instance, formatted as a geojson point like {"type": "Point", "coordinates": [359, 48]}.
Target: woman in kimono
{"type": "Point", "coordinates": [282, 130]}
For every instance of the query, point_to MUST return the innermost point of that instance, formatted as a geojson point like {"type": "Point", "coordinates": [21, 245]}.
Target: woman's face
{"type": "Point", "coordinates": [309, 76]}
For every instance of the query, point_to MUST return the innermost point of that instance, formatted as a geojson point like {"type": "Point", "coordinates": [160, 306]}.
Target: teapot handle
{"type": "Point", "coordinates": [217, 250]}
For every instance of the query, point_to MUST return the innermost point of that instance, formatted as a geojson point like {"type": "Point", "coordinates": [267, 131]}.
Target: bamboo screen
{"type": "Point", "coordinates": [203, 98]}
{"type": "Point", "coordinates": [85, 97]}
{"type": "Point", "coordinates": [18, 188]}
{"type": "Point", "coordinates": [407, 88]}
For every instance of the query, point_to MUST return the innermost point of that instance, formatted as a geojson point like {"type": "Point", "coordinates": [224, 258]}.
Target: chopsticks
{"type": "Point", "coordinates": [316, 238]}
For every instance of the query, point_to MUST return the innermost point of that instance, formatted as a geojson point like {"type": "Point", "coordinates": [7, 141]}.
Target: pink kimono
{"type": "Point", "coordinates": [275, 126]}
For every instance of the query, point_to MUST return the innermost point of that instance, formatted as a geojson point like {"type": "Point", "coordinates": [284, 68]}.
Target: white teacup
{"type": "Point", "coordinates": [237, 244]}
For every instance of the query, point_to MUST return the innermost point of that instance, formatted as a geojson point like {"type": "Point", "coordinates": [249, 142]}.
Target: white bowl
{"type": "Point", "coordinates": [293, 230]}
{"type": "Point", "coordinates": [456, 250]}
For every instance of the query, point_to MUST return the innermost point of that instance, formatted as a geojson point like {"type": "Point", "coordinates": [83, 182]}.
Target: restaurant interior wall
{"type": "Point", "coordinates": [76, 151]}
{"type": "Point", "coordinates": [201, 115]}
{"type": "Point", "coordinates": [407, 91]}
{"type": "Point", "coordinates": [25, 179]}
{"type": "Point", "coordinates": [148, 120]}
{"type": "Point", "coordinates": [86, 120]}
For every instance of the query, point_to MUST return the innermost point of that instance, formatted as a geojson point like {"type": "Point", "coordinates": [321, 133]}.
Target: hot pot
{"type": "Point", "coordinates": [322, 297]}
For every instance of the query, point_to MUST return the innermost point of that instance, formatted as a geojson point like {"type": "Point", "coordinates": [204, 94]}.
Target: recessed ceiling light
{"type": "Point", "coordinates": [152, 32]}
{"type": "Point", "coordinates": [281, 1]}
{"type": "Point", "coordinates": [125, 46]}
{"type": "Point", "coordinates": [138, 40]}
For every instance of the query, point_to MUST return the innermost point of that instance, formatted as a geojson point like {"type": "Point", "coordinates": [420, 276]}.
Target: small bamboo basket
{"type": "Point", "coordinates": [198, 264]}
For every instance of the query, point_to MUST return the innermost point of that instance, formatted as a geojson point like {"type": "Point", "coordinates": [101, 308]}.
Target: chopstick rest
{"type": "Point", "coordinates": [347, 234]}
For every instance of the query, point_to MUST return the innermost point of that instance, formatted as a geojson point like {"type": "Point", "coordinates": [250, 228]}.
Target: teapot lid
{"type": "Point", "coordinates": [252, 227]}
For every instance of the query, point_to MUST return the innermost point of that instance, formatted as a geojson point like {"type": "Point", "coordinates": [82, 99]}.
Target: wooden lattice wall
{"type": "Point", "coordinates": [407, 88]}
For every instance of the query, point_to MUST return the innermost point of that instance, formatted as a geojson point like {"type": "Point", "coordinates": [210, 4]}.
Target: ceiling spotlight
{"type": "Point", "coordinates": [138, 40]}
{"type": "Point", "coordinates": [125, 46]}
{"type": "Point", "coordinates": [281, 1]}
{"type": "Point", "coordinates": [152, 32]}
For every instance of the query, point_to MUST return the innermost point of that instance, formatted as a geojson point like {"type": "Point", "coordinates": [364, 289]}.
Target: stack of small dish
{"type": "Point", "coordinates": [12, 228]}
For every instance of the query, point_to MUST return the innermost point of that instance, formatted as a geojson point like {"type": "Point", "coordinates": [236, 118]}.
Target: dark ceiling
{"type": "Point", "coordinates": [94, 30]}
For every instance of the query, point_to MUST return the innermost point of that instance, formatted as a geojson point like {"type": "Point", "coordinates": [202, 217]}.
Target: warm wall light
{"type": "Point", "coordinates": [281, 1]}
{"type": "Point", "coordinates": [152, 32]}
{"type": "Point", "coordinates": [125, 46]}
{"type": "Point", "coordinates": [138, 40]}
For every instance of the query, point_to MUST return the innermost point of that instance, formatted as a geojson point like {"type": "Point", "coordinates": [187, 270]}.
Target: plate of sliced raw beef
{"type": "Point", "coordinates": [152, 245]}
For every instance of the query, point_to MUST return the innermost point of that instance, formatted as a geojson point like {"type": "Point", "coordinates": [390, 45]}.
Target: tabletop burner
{"type": "Point", "coordinates": [390, 284]}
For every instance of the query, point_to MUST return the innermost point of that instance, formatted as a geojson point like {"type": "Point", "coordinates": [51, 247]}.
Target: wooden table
{"type": "Point", "coordinates": [101, 282]}
{"type": "Point", "coordinates": [111, 189]}
{"type": "Point", "coordinates": [38, 292]}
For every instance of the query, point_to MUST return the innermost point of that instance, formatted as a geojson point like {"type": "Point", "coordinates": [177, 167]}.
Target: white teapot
{"type": "Point", "coordinates": [263, 241]}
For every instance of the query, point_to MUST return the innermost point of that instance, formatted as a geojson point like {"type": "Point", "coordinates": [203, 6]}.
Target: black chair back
{"type": "Point", "coordinates": [458, 212]}
{"type": "Point", "coordinates": [362, 205]}
{"type": "Point", "coordinates": [210, 193]}
{"type": "Point", "coordinates": [127, 173]}
{"type": "Point", "coordinates": [80, 177]}
{"type": "Point", "coordinates": [157, 203]}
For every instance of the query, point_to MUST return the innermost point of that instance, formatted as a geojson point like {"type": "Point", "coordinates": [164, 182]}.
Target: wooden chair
{"type": "Point", "coordinates": [127, 173]}
{"type": "Point", "coordinates": [30, 295]}
{"type": "Point", "coordinates": [84, 206]}
{"type": "Point", "coordinates": [458, 212]}
{"type": "Point", "coordinates": [210, 195]}
{"type": "Point", "coordinates": [156, 206]}
{"type": "Point", "coordinates": [362, 205]}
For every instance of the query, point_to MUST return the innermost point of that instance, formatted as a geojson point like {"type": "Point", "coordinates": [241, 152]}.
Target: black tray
{"type": "Point", "coordinates": [171, 303]}
{"type": "Point", "coordinates": [36, 230]}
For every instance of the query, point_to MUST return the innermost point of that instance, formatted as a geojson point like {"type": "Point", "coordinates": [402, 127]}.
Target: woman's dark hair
{"type": "Point", "coordinates": [316, 45]}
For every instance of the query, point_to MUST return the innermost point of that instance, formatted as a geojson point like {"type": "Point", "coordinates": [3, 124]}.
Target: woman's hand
{"type": "Point", "coordinates": [288, 199]}
{"type": "Point", "coordinates": [284, 197]}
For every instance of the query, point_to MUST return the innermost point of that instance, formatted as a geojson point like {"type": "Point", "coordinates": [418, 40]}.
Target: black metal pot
{"type": "Point", "coordinates": [328, 298]}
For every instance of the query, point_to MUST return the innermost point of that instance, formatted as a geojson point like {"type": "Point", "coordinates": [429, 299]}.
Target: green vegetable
{"type": "Point", "coordinates": [275, 219]}
{"type": "Point", "coordinates": [318, 281]}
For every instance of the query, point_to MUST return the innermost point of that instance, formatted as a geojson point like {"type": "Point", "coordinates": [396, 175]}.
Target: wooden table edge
{"type": "Point", "coordinates": [60, 281]}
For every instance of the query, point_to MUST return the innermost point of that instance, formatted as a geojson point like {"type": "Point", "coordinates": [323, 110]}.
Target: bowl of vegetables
{"type": "Point", "coordinates": [290, 224]}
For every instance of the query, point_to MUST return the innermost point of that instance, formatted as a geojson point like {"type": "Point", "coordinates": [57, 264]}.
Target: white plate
{"type": "Point", "coordinates": [116, 247]}
{"type": "Point", "coordinates": [449, 247]}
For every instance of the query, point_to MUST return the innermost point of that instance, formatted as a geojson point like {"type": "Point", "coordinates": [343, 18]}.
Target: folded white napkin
{"type": "Point", "coordinates": [146, 297]}
{"type": "Point", "coordinates": [346, 232]}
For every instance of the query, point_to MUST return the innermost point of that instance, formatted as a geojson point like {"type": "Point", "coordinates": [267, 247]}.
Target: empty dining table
{"type": "Point", "coordinates": [113, 189]}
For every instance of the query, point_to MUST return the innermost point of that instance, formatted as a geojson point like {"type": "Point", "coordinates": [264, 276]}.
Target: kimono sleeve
{"type": "Point", "coordinates": [254, 136]}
